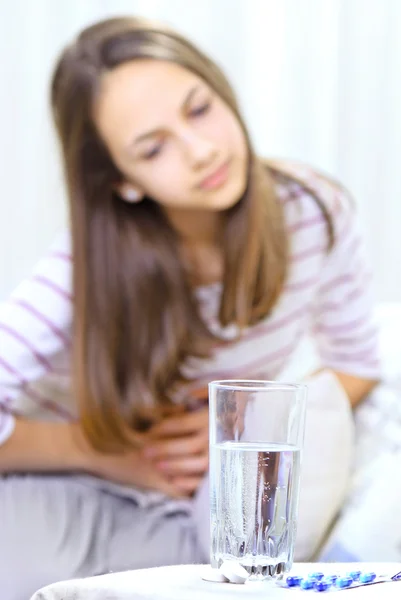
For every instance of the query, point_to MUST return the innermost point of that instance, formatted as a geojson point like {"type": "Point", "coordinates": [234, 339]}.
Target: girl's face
{"type": "Point", "coordinates": [171, 136]}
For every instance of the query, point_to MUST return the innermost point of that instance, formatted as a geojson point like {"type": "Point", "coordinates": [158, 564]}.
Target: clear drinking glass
{"type": "Point", "coordinates": [256, 437]}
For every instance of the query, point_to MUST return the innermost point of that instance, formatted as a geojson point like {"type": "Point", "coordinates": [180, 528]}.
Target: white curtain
{"type": "Point", "coordinates": [319, 81]}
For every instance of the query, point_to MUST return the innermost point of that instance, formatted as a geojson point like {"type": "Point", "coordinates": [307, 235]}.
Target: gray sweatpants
{"type": "Point", "coordinates": [54, 528]}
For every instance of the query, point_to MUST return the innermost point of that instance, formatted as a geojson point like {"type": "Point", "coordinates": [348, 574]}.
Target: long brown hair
{"type": "Point", "coordinates": [136, 320]}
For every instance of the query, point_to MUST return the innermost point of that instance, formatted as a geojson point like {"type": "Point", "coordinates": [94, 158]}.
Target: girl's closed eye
{"type": "Point", "coordinates": [153, 151]}
{"type": "Point", "coordinates": [156, 149]}
{"type": "Point", "coordinates": [200, 110]}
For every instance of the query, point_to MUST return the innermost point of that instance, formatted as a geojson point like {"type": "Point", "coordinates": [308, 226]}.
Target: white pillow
{"type": "Point", "coordinates": [327, 462]}
{"type": "Point", "coordinates": [369, 528]}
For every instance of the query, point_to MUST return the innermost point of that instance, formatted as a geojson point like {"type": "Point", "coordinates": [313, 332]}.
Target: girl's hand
{"type": "Point", "coordinates": [179, 448]}
{"type": "Point", "coordinates": [128, 468]}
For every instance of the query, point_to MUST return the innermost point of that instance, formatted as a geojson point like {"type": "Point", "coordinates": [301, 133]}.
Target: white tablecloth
{"type": "Point", "coordinates": [185, 583]}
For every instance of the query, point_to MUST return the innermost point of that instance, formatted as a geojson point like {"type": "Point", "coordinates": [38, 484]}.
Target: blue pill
{"type": "Point", "coordinates": [293, 580]}
{"type": "Point", "coordinates": [355, 575]}
{"type": "Point", "coordinates": [331, 578]}
{"type": "Point", "coordinates": [367, 577]}
{"type": "Point", "coordinates": [321, 586]}
{"type": "Point", "coordinates": [317, 576]}
{"type": "Point", "coordinates": [344, 582]}
{"type": "Point", "coordinates": [307, 584]}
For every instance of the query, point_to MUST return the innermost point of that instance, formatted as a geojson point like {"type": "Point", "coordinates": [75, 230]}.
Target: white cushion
{"type": "Point", "coordinates": [327, 462]}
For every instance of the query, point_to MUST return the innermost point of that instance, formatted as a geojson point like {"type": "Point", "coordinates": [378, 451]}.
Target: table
{"type": "Point", "coordinates": [184, 582]}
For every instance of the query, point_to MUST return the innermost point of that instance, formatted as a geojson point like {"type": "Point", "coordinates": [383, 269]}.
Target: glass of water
{"type": "Point", "coordinates": [256, 437]}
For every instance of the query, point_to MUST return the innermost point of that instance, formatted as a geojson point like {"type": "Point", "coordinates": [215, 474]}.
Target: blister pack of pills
{"type": "Point", "coordinates": [335, 582]}
{"type": "Point", "coordinates": [231, 572]}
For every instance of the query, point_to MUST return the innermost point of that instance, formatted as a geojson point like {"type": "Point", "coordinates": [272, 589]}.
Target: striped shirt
{"type": "Point", "coordinates": [326, 296]}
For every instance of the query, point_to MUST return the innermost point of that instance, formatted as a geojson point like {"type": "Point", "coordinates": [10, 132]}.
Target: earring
{"type": "Point", "coordinates": [131, 195]}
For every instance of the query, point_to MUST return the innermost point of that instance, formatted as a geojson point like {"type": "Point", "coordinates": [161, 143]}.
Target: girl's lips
{"type": "Point", "coordinates": [217, 178]}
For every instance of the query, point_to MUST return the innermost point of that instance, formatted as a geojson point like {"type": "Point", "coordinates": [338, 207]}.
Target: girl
{"type": "Point", "coordinates": [188, 259]}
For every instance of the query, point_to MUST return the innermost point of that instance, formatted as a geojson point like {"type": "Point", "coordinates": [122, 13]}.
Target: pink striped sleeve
{"type": "Point", "coordinates": [344, 323]}
{"type": "Point", "coordinates": [35, 325]}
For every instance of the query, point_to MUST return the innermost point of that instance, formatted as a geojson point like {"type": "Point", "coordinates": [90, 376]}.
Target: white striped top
{"type": "Point", "coordinates": [327, 295]}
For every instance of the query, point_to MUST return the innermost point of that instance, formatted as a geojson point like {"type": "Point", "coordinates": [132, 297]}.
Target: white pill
{"type": "Point", "coordinates": [234, 572]}
{"type": "Point", "coordinates": [214, 575]}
